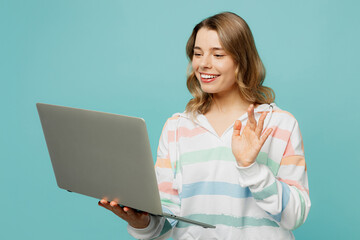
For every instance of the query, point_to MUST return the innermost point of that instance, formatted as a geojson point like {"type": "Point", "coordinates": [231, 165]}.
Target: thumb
{"type": "Point", "coordinates": [237, 128]}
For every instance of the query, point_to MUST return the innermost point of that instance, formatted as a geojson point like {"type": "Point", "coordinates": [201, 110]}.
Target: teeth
{"type": "Point", "coordinates": [208, 76]}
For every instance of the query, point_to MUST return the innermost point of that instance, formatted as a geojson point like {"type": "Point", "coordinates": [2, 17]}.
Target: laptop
{"type": "Point", "coordinates": [103, 155]}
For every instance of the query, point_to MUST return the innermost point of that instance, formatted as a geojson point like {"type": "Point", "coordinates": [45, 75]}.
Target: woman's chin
{"type": "Point", "coordinates": [208, 90]}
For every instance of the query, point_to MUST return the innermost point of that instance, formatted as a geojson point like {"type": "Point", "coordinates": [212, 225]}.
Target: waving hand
{"type": "Point", "coordinates": [246, 146]}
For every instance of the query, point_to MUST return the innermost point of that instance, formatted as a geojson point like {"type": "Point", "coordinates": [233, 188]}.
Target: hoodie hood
{"type": "Point", "coordinates": [261, 108]}
{"type": "Point", "coordinates": [202, 120]}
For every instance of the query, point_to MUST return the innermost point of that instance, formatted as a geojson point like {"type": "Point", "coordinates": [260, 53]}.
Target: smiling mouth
{"type": "Point", "coordinates": [206, 78]}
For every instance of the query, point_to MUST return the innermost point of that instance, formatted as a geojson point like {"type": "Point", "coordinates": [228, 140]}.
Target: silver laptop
{"type": "Point", "coordinates": [103, 155]}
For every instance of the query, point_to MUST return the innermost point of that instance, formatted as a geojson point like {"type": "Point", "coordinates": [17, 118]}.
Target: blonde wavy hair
{"type": "Point", "coordinates": [237, 40]}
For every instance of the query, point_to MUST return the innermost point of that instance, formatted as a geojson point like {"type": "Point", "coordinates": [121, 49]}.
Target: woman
{"type": "Point", "coordinates": [233, 159]}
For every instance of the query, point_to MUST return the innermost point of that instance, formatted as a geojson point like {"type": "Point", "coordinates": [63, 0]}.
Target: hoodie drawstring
{"type": "Point", "coordinates": [271, 111]}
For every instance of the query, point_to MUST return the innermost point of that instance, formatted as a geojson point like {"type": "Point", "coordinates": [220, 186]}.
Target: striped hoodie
{"type": "Point", "coordinates": [198, 178]}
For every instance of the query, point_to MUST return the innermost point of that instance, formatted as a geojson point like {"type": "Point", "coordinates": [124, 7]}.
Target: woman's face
{"type": "Point", "coordinates": [213, 67]}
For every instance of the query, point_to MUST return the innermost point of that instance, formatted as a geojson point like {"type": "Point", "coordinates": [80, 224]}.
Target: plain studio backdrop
{"type": "Point", "coordinates": [128, 57]}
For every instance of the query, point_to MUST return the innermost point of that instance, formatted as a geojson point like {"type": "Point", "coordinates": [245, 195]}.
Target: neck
{"type": "Point", "coordinates": [228, 102]}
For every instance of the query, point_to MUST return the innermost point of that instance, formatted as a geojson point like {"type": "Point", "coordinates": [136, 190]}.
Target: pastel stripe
{"type": "Point", "coordinates": [295, 184]}
{"type": "Point", "coordinates": [166, 187]}
{"type": "Point", "coordinates": [302, 145]}
{"type": "Point", "coordinates": [163, 163]}
{"type": "Point", "coordinates": [296, 160]}
{"type": "Point", "coordinates": [219, 153]}
{"type": "Point", "coordinates": [289, 150]}
{"type": "Point", "coordinates": [215, 188]}
{"type": "Point", "coordinates": [283, 135]}
{"type": "Point", "coordinates": [285, 201]}
{"type": "Point", "coordinates": [266, 192]}
{"type": "Point", "coordinates": [228, 221]}
{"type": "Point", "coordinates": [282, 111]}
{"type": "Point", "coordinates": [167, 227]}
{"type": "Point", "coordinates": [224, 154]}
{"type": "Point", "coordinates": [185, 132]}
{"type": "Point", "coordinates": [277, 217]}
{"type": "Point", "coordinates": [300, 220]}
{"type": "Point", "coordinates": [285, 195]}
{"type": "Point", "coordinates": [280, 133]}
{"type": "Point", "coordinates": [263, 158]}
{"type": "Point", "coordinates": [168, 202]}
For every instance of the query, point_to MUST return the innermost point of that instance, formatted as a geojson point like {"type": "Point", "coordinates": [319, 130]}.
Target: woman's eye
{"type": "Point", "coordinates": [197, 54]}
{"type": "Point", "coordinates": [218, 55]}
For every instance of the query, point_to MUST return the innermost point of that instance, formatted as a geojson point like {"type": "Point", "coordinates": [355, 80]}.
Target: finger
{"type": "Point", "coordinates": [113, 204]}
{"type": "Point", "coordinates": [129, 211]}
{"type": "Point", "coordinates": [260, 125]}
{"type": "Point", "coordinates": [104, 204]}
{"type": "Point", "coordinates": [117, 209]}
{"type": "Point", "coordinates": [251, 119]}
{"type": "Point", "coordinates": [237, 128]}
{"type": "Point", "coordinates": [133, 214]}
{"type": "Point", "coordinates": [265, 136]}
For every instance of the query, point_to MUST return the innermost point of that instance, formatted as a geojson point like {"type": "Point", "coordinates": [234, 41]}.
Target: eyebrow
{"type": "Point", "coordinates": [214, 48]}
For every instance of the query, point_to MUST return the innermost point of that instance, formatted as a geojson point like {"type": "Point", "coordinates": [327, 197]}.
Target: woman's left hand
{"type": "Point", "coordinates": [246, 146]}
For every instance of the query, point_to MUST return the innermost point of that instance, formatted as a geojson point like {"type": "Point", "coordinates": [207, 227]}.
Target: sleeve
{"type": "Point", "coordinates": [165, 169]}
{"type": "Point", "coordinates": [281, 189]}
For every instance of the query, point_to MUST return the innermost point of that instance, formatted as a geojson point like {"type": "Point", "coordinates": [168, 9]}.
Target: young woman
{"type": "Point", "coordinates": [233, 159]}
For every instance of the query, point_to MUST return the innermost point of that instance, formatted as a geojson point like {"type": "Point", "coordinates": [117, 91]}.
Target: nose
{"type": "Point", "coordinates": [206, 62]}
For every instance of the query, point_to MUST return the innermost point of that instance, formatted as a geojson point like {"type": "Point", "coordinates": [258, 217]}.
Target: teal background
{"type": "Point", "coordinates": [128, 57]}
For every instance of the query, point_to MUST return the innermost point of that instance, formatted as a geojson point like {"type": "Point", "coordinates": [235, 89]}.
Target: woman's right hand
{"type": "Point", "coordinates": [134, 218]}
